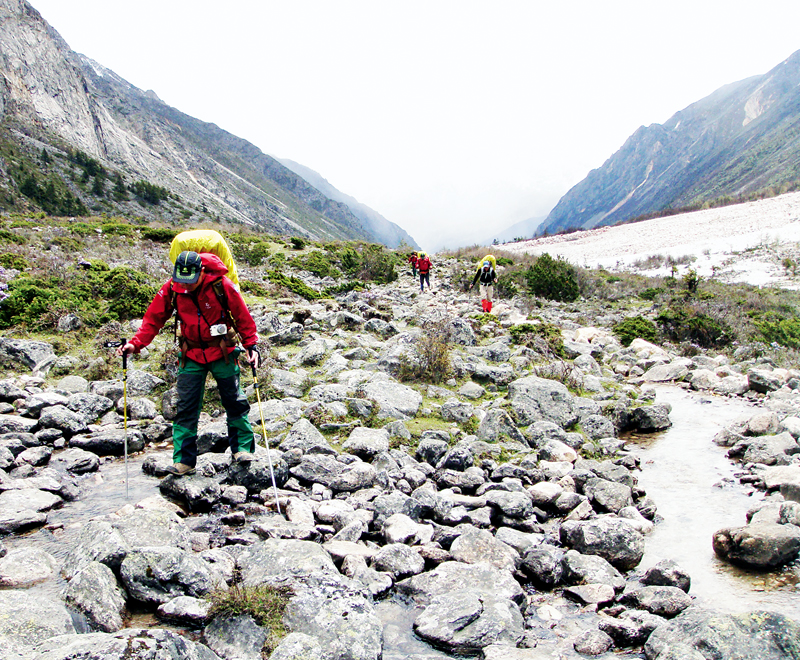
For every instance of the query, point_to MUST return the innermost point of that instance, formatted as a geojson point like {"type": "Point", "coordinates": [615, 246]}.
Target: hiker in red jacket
{"type": "Point", "coordinates": [413, 261]}
{"type": "Point", "coordinates": [424, 267]}
{"type": "Point", "coordinates": [211, 311]}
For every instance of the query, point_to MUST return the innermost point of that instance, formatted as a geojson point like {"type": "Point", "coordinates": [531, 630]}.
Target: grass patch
{"type": "Point", "coordinates": [265, 603]}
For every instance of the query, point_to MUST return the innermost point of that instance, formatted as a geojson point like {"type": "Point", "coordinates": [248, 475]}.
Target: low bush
{"type": "Point", "coordinates": [554, 279]}
{"type": "Point", "coordinates": [541, 336]}
{"type": "Point", "coordinates": [635, 327]}
{"type": "Point", "coordinates": [431, 362]}
{"type": "Point", "coordinates": [695, 326]}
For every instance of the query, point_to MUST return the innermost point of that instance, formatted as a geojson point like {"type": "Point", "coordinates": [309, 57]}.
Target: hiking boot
{"type": "Point", "coordinates": [243, 456]}
{"type": "Point", "coordinates": [180, 469]}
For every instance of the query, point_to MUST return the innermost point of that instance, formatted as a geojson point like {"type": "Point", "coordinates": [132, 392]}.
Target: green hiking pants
{"type": "Point", "coordinates": [191, 389]}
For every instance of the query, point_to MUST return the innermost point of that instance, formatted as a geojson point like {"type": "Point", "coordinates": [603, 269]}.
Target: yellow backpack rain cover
{"type": "Point", "coordinates": [489, 257]}
{"type": "Point", "coordinates": [205, 240]}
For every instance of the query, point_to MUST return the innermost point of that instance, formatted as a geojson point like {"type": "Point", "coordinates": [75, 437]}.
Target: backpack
{"type": "Point", "coordinates": [205, 240]}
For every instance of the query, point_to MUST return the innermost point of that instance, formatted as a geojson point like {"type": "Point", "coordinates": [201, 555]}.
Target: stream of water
{"type": "Point", "coordinates": [691, 480]}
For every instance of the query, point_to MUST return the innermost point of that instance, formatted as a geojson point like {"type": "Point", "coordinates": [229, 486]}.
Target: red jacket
{"type": "Point", "coordinates": [423, 265]}
{"type": "Point", "coordinates": [194, 326]}
{"type": "Point", "coordinates": [413, 260]}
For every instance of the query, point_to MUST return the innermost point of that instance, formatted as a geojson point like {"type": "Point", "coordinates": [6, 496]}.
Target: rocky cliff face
{"type": "Point", "coordinates": [63, 99]}
{"type": "Point", "coordinates": [743, 138]}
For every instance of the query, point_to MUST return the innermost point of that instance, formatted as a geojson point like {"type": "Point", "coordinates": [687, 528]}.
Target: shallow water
{"type": "Point", "coordinates": [691, 480]}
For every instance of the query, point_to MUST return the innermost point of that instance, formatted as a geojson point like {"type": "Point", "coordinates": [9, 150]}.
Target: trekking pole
{"type": "Point", "coordinates": [114, 344]}
{"type": "Point", "coordinates": [264, 435]}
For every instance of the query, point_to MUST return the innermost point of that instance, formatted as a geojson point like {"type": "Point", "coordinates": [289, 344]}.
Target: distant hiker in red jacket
{"type": "Point", "coordinates": [413, 261]}
{"type": "Point", "coordinates": [424, 267]}
{"type": "Point", "coordinates": [211, 311]}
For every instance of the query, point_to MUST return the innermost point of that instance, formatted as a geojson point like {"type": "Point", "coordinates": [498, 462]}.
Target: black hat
{"type": "Point", "coordinates": [187, 268]}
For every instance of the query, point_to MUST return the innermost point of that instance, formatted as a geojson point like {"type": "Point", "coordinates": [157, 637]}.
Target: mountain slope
{"type": "Point", "coordinates": [51, 96]}
{"type": "Point", "coordinates": [743, 138]}
{"type": "Point", "coordinates": [387, 232]}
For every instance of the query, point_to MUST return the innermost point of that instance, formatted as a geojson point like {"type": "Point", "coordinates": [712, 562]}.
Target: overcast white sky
{"type": "Point", "coordinates": [452, 118]}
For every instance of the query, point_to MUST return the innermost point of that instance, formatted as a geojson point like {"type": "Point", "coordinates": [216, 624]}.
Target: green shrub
{"type": "Point", "coordinates": [431, 361]}
{"type": "Point", "coordinates": [504, 261]}
{"type": "Point", "coordinates": [377, 265]}
{"type": "Point", "coordinates": [554, 279]}
{"type": "Point", "coordinates": [265, 603]}
{"type": "Point", "coordinates": [294, 285]}
{"type": "Point", "coordinates": [651, 293]}
{"type": "Point", "coordinates": [785, 332]}
{"type": "Point", "coordinates": [541, 336]}
{"type": "Point", "coordinates": [116, 229]}
{"type": "Point", "coordinates": [13, 260]}
{"type": "Point", "coordinates": [317, 262]}
{"type": "Point", "coordinates": [158, 234]}
{"type": "Point", "coordinates": [149, 192]}
{"type": "Point", "coordinates": [635, 327]}
{"type": "Point", "coordinates": [689, 324]}
{"type": "Point", "coordinates": [7, 236]}
{"type": "Point", "coordinates": [298, 242]}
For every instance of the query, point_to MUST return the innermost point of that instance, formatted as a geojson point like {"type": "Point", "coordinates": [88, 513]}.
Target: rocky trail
{"type": "Point", "coordinates": [497, 514]}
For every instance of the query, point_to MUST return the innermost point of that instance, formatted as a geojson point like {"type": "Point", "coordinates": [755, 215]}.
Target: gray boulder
{"type": "Point", "coordinates": [649, 419]}
{"type": "Point", "coordinates": [399, 560]}
{"type": "Point", "coordinates": [130, 643]}
{"type": "Point", "coordinates": [343, 623]}
{"type": "Point", "coordinates": [109, 442]}
{"type": "Point", "coordinates": [590, 569]}
{"type": "Point", "coordinates": [155, 575]}
{"type": "Point", "coordinates": [667, 573]}
{"type": "Point", "coordinates": [614, 539]}
{"type": "Point", "coordinates": [304, 436]}
{"type": "Point", "coordinates": [94, 591]}
{"type": "Point", "coordinates": [298, 646]}
{"type": "Point", "coordinates": [367, 442]}
{"type": "Point", "coordinates": [498, 424]}
{"type": "Point", "coordinates": [274, 560]}
{"type": "Point", "coordinates": [62, 418]}
{"type": "Point", "coordinates": [708, 634]}
{"type": "Point", "coordinates": [476, 545]}
{"type": "Point", "coordinates": [544, 564]}
{"type": "Point", "coordinates": [467, 621]}
{"type": "Point", "coordinates": [33, 355]}
{"type": "Point", "coordinates": [97, 540]}
{"type": "Point", "coordinates": [662, 601]}
{"type": "Point", "coordinates": [199, 493]}
{"type": "Point", "coordinates": [27, 620]}
{"type": "Point", "coordinates": [395, 400]}
{"type": "Point", "coordinates": [534, 399]}
{"type": "Point", "coordinates": [236, 636]}
{"type": "Point", "coordinates": [456, 576]}
{"type": "Point", "coordinates": [22, 567]}
{"type": "Point", "coordinates": [762, 545]}
{"type": "Point", "coordinates": [75, 461]}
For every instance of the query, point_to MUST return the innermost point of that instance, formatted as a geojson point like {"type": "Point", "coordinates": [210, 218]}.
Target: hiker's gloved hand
{"type": "Point", "coordinates": [253, 356]}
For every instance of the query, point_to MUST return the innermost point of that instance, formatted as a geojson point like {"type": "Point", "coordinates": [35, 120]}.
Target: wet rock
{"type": "Point", "coordinates": [237, 637]}
{"type": "Point", "coordinates": [591, 594]}
{"type": "Point", "coordinates": [130, 643]}
{"type": "Point", "coordinates": [155, 575]}
{"type": "Point", "coordinates": [467, 621]}
{"type": "Point", "coordinates": [99, 541]}
{"type": "Point", "coordinates": [608, 495]}
{"type": "Point", "coordinates": [16, 424]}
{"type": "Point", "coordinates": [197, 492]}
{"type": "Point", "coordinates": [75, 461]}
{"type": "Point", "coordinates": [662, 601]}
{"type": "Point", "coordinates": [764, 545]}
{"type": "Point", "coordinates": [94, 591]}
{"type": "Point", "coordinates": [762, 635]}
{"type": "Point", "coordinates": [109, 442]}
{"type": "Point", "coordinates": [26, 620]}
{"type": "Point", "coordinates": [28, 499]}
{"type": "Point", "coordinates": [35, 456]}
{"type": "Point", "coordinates": [345, 626]}
{"type": "Point", "coordinates": [185, 609]}
{"type": "Point", "coordinates": [667, 573]}
{"type": "Point", "coordinates": [453, 576]}
{"type": "Point", "coordinates": [590, 569]}
{"type": "Point", "coordinates": [649, 419]}
{"type": "Point", "coordinates": [23, 567]}
{"type": "Point", "coordinates": [631, 628]}
{"type": "Point", "coordinates": [543, 564]}
{"type": "Point", "coordinates": [592, 642]}
{"type": "Point", "coordinates": [768, 450]}
{"type": "Point", "coordinates": [662, 373]}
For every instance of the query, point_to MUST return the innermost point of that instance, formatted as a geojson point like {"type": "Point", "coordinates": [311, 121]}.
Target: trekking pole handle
{"type": "Point", "coordinates": [122, 343]}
